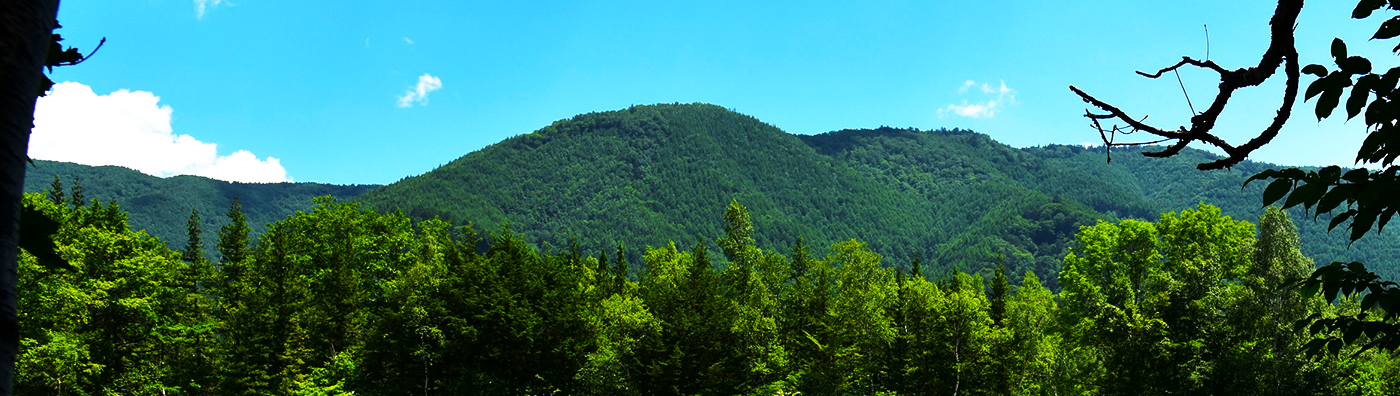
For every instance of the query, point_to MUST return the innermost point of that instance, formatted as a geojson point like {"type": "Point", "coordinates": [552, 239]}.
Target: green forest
{"type": "Point", "coordinates": [340, 299]}
{"type": "Point", "coordinates": [650, 174]}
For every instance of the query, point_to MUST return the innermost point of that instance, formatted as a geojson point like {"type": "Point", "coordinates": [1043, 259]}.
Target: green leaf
{"type": "Point", "coordinates": [1300, 324]}
{"type": "Point", "coordinates": [1314, 88]}
{"type": "Point", "coordinates": [1355, 65]}
{"type": "Point", "coordinates": [1316, 70]}
{"type": "Point", "coordinates": [1389, 28]}
{"type": "Point", "coordinates": [1365, 7]}
{"type": "Point", "coordinates": [1310, 289]}
{"type": "Point", "coordinates": [1277, 189]}
{"type": "Point", "coordinates": [1385, 218]}
{"type": "Point", "coordinates": [1331, 200]}
{"type": "Point", "coordinates": [1306, 194]}
{"type": "Point", "coordinates": [1351, 334]}
{"type": "Point", "coordinates": [1339, 219]}
{"type": "Point", "coordinates": [1359, 94]}
{"type": "Point", "coordinates": [1330, 174]}
{"type": "Point", "coordinates": [1327, 102]}
{"type": "Point", "coordinates": [1362, 223]}
{"type": "Point", "coordinates": [1356, 175]}
{"type": "Point", "coordinates": [1267, 173]}
{"type": "Point", "coordinates": [1315, 346]}
{"type": "Point", "coordinates": [1339, 49]}
{"type": "Point", "coordinates": [1293, 173]}
{"type": "Point", "coordinates": [1357, 267]}
{"type": "Point", "coordinates": [1369, 301]}
{"type": "Point", "coordinates": [36, 232]}
{"type": "Point", "coordinates": [1376, 111]}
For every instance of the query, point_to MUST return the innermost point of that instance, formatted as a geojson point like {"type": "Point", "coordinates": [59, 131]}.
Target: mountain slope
{"type": "Point", "coordinates": [651, 174]}
{"type": "Point", "coordinates": [161, 206]}
{"type": "Point", "coordinates": [941, 165]}
{"type": "Point", "coordinates": [647, 175]}
{"type": "Point", "coordinates": [1174, 183]}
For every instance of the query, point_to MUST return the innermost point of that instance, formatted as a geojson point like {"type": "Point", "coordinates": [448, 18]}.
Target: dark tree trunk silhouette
{"type": "Point", "coordinates": [25, 29]}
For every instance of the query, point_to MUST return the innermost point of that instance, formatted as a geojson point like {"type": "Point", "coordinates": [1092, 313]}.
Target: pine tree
{"type": "Point", "coordinates": [998, 294]}
{"type": "Point", "coordinates": [56, 191]}
{"type": "Point", "coordinates": [194, 246]}
{"type": "Point", "coordinates": [233, 237]}
{"type": "Point", "coordinates": [620, 271]}
{"type": "Point", "coordinates": [77, 194]}
{"type": "Point", "coordinates": [605, 273]}
{"type": "Point", "coordinates": [918, 268]}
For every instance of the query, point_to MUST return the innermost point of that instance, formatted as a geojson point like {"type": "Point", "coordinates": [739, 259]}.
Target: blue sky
{"type": "Point", "coordinates": [331, 90]}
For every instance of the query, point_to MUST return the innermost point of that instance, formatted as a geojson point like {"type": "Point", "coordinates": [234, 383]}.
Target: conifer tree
{"type": "Point", "coordinates": [620, 271]}
{"type": "Point", "coordinates": [233, 237]}
{"type": "Point", "coordinates": [56, 191]}
{"type": "Point", "coordinates": [917, 269]}
{"type": "Point", "coordinates": [77, 195]}
{"type": "Point", "coordinates": [997, 297]}
{"type": "Point", "coordinates": [194, 246]}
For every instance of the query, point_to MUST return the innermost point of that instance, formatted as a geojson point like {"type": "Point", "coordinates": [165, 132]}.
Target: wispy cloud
{"type": "Point", "coordinates": [418, 94]}
{"type": "Point", "coordinates": [981, 109]}
{"type": "Point", "coordinates": [201, 5]}
{"type": "Point", "coordinates": [406, 40]}
{"type": "Point", "coordinates": [132, 129]}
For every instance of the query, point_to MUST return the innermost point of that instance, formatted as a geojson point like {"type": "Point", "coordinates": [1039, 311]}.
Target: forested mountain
{"type": "Point", "coordinates": [647, 175]}
{"type": "Point", "coordinates": [651, 174]}
{"type": "Point", "coordinates": [960, 167]}
{"type": "Point", "coordinates": [374, 296]}
{"type": "Point", "coordinates": [161, 206]}
{"type": "Point", "coordinates": [1167, 184]}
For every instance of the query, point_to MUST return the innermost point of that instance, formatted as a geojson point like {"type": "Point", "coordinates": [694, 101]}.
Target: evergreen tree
{"type": "Point", "coordinates": [194, 246]}
{"type": "Point", "coordinates": [917, 268]}
{"type": "Point", "coordinates": [233, 237]}
{"type": "Point", "coordinates": [997, 295]}
{"type": "Point", "coordinates": [77, 194]}
{"type": "Point", "coordinates": [620, 271]}
{"type": "Point", "coordinates": [56, 191]}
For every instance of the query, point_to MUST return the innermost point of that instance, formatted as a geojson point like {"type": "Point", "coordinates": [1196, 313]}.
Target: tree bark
{"type": "Point", "coordinates": [25, 29]}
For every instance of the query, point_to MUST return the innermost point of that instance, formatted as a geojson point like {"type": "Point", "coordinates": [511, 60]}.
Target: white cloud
{"type": "Point", "coordinates": [1004, 97]}
{"type": "Point", "coordinates": [201, 5]}
{"type": "Point", "coordinates": [419, 93]}
{"type": "Point", "coordinates": [966, 84]}
{"type": "Point", "coordinates": [406, 40]}
{"type": "Point", "coordinates": [132, 129]}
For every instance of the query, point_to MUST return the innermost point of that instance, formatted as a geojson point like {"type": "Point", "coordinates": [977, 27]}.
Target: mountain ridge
{"type": "Point", "coordinates": [647, 175]}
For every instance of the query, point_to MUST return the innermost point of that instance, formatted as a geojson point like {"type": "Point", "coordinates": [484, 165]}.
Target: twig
{"type": "Point", "coordinates": [1183, 92]}
{"type": "Point", "coordinates": [1281, 52]}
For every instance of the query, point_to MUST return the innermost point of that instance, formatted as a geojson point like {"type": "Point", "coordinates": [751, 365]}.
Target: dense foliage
{"type": "Point", "coordinates": [340, 300]}
{"type": "Point", "coordinates": [159, 205]}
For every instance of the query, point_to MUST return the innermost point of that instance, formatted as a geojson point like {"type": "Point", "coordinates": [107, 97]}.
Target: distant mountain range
{"type": "Point", "coordinates": [647, 175]}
